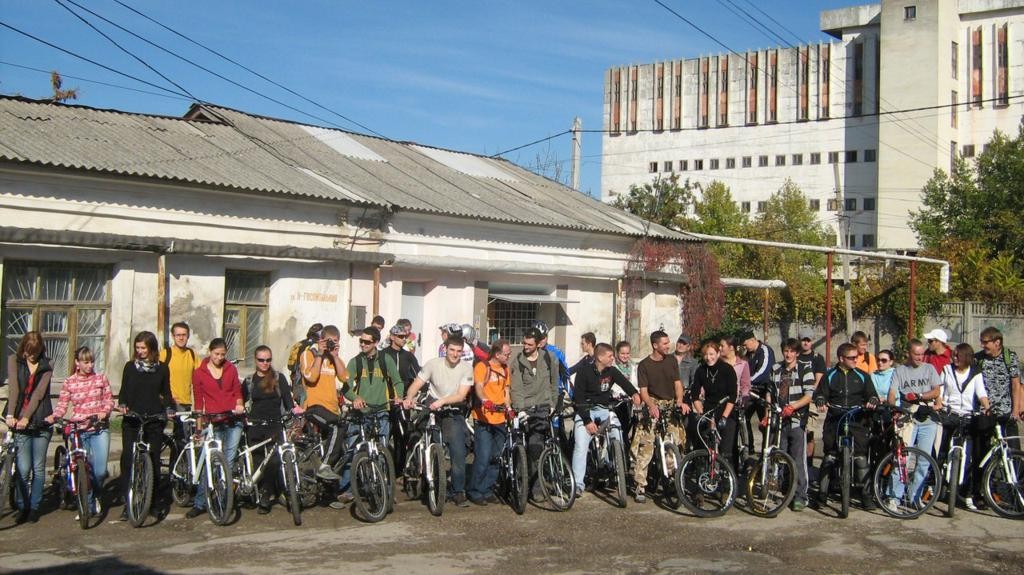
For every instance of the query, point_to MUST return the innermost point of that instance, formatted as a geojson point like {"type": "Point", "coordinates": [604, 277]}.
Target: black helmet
{"type": "Point", "coordinates": [540, 326]}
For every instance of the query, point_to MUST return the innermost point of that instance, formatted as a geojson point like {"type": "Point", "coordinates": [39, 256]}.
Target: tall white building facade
{"type": "Point", "coordinates": [903, 89]}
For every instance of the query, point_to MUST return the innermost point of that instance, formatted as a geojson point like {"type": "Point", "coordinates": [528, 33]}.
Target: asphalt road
{"type": "Point", "coordinates": [594, 536]}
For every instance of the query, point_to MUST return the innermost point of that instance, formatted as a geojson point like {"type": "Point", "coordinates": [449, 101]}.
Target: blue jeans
{"type": "Point", "coordinates": [31, 463]}
{"type": "Point", "coordinates": [352, 435]}
{"type": "Point", "coordinates": [453, 433]}
{"type": "Point", "coordinates": [582, 439]}
{"type": "Point", "coordinates": [490, 440]}
{"type": "Point", "coordinates": [922, 436]}
{"type": "Point", "coordinates": [229, 436]}
{"type": "Point", "coordinates": [97, 446]}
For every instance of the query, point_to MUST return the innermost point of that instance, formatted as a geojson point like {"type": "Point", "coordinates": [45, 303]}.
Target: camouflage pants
{"type": "Point", "coordinates": [642, 448]}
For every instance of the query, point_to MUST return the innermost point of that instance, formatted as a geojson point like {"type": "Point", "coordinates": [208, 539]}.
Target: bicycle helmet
{"type": "Point", "coordinates": [451, 329]}
{"type": "Point", "coordinates": [540, 326]}
{"type": "Point", "coordinates": [468, 332]}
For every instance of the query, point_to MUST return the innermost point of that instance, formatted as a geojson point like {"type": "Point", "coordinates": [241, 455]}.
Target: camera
{"type": "Point", "coordinates": [331, 345]}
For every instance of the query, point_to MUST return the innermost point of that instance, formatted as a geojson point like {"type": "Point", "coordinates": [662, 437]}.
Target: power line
{"type": "Point", "coordinates": [128, 52]}
{"type": "Point", "coordinates": [251, 71]}
{"type": "Point", "coordinates": [93, 62]}
{"type": "Point", "coordinates": [201, 67]}
{"type": "Point", "coordinates": [533, 143]}
{"type": "Point", "coordinates": [779, 24]}
{"type": "Point", "coordinates": [81, 79]}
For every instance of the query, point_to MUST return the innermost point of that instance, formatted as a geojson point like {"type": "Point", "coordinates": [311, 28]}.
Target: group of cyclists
{"type": "Point", "coordinates": [683, 415]}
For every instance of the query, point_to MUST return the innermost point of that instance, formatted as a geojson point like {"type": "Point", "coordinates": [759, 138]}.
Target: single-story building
{"type": "Point", "coordinates": [254, 228]}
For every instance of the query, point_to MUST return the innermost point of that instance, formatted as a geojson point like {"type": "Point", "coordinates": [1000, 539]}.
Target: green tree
{"type": "Point", "coordinates": [663, 201]}
{"type": "Point", "coordinates": [972, 218]}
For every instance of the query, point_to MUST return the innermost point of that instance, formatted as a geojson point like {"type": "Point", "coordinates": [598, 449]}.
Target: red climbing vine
{"type": "Point", "coordinates": [702, 294]}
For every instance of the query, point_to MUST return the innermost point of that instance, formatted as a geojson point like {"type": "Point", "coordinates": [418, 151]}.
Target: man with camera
{"type": "Point", "coordinates": [323, 373]}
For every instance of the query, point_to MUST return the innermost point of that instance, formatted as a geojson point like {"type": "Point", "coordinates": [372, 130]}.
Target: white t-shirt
{"type": "Point", "coordinates": [443, 379]}
{"type": "Point", "coordinates": [961, 389]}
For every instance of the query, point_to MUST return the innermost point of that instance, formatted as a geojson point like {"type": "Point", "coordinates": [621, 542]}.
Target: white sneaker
{"type": "Point", "coordinates": [969, 503]}
{"type": "Point", "coordinates": [892, 504]}
{"type": "Point", "coordinates": [97, 508]}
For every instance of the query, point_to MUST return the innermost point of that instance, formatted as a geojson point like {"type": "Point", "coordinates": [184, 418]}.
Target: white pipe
{"type": "Point", "coordinates": [749, 283]}
{"type": "Point", "coordinates": [943, 271]}
{"type": "Point", "coordinates": [513, 267]}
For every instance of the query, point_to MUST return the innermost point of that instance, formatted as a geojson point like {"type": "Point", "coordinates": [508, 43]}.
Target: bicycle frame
{"type": "Point", "coordinates": [957, 444]}
{"type": "Point", "coordinates": [1001, 447]}
{"type": "Point", "coordinates": [251, 474]}
{"type": "Point", "coordinates": [206, 442]}
{"type": "Point", "coordinates": [76, 453]}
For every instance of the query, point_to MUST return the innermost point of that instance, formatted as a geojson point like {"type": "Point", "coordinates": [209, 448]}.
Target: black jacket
{"type": "Point", "coordinates": [845, 388]}
{"type": "Point", "coordinates": [594, 389]}
{"type": "Point", "coordinates": [22, 402]}
{"type": "Point", "coordinates": [406, 363]}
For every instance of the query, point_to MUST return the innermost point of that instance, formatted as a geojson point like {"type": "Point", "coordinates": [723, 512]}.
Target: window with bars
{"type": "Point", "coordinates": [509, 320]}
{"type": "Point", "coordinates": [69, 304]}
{"type": "Point", "coordinates": [245, 312]}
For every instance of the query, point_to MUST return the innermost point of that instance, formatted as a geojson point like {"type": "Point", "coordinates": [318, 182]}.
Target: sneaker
{"type": "Point", "coordinates": [97, 508]}
{"type": "Point", "coordinates": [325, 473]}
{"type": "Point", "coordinates": [124, 515]}
{"type": "Point", "coordinates": [492, 498]}
{"type": "Point", "coordinates": [194, 512]}
{"type": "Point", "coordinates": [640, 497]}
{"type": "Point", "coordinates": [481, 501]}
{"type": "Point", "coordinates": [33, 516]}
{"type": "Point", "coordinates": [579, 492]}
{"type": "Point", "coordinates": [892, 504]}
{"type": "Point", "coordinates": [798, 506]}
{"type": "Point", "coordinates": [969, 503]}
{"type": "Point", "coordinates": [263, 509]}
{"type": "Point", "coordinates": [459, 499]}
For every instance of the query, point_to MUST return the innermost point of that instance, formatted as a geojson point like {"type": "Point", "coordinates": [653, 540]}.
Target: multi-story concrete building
{"type": "Point", "coordinates": [904, 88]}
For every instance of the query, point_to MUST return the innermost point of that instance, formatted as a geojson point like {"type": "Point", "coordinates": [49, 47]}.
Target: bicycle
{"type": "Point", "coordinates": [845, 443]}
{"type": "Point", "coordinates": [140, 474]}
{"type": "Point", "coordinates": [72, 475]}
{"type": "Point", "coordinates": [247, 476]}
{"type": "Point", "coordinates": [557, 482]}
{"type": "Point", "coordinates": [203, 458]}
{"type": "Point", "coordinates": [513, 467]}
{"type": "Point", "coordinates": [8, 463]}
{"type": "Point", "coordinates": [373, 481]}
{"type": "Point", "coordinates": [666, 457]}
{"type": "Point", "coordinates": [954, 466]}
{"type": "Point", "coordinates": [705, 481]}
{"type": "Point", "coordinates": [771, 481]}
{"type": "Point", "coordinates": [426, 473]}
{"type": "Point", "coordinates": [1002, 480]}
{"type": "Point", "coordinates": [606, 457]}
{"type": "Point", "coordinates": [902, 477]}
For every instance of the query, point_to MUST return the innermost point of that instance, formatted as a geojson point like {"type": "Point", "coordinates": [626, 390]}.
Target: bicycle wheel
{"type": "Point", "coordinates": [220, 497]}
{"type": "Point", "coordinates": [60, 478]}
{"type": "Point", "coordinates": [437, 483]}
{"type": "Point", "coordinates": [290, 473]}
{"type": "Point", "coordinates": [369, 487]}
{"type": "Point", "coordinates": [140, 490]}
{"type": "Point", "coordinates": [706, 488]}
{"type": "Point", "coordinates": [389, 468]}
{"type": "Point", "coordinates": [953, 464]}
{"type": "Point", "coordinates": [413, 475]}
{"type": "Point", "coordinates": [618, 458]}
{"type": "Point", "coordinates": [520, 480]}
{"type": "Point", "coordinates": [903, 486]}
{"type": "Point", "coordinates": [770, 486]}
{"type": "Point", "coordinates": [6, 482]}
{"type": "Point", "coordinates": [83, 483]}
{"type": "Point", "coordinates": [182, 486]}
{"type": "Point", "coordinates": [845, 481]}
{"type": "Point", "coordinates": [1003, 484]}
{"type": "Point", "coordinates": [668, 490]}
{"type": "Point", "coordinates": [556, 479]}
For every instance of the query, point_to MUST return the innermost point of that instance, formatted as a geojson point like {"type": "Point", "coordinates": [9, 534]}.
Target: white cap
{"type": "Point", "coordinates": [937, 333]}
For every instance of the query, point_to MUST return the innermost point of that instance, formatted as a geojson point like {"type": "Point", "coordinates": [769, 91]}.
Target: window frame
{"type": "Point", "coordinates": [244, 308]}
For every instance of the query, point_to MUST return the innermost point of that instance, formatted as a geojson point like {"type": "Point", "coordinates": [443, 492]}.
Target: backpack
{"type": "Point", "coordinates": [383, 370]}
{"type": "Point", "coordinates": [165, 355]}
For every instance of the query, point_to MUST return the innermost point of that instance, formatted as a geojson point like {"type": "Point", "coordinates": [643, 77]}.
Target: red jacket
{"type": "Point", "coordinates": [214, 397]}
{"type": "Point", "coordinates": [939, 361]}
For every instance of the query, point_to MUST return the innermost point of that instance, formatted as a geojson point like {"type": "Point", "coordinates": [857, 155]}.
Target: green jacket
{"type": "Point", "coordinates": [367, 380]}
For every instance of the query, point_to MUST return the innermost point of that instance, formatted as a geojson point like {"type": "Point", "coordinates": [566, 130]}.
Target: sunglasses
{"type": "Point", "coordinates": [264, 359]}
{"type": "Point", "coordinates": [883, 360]}
{"type": "Point", "coordinates": [366, 342]}
{"type": "Point", "coordinates": [850, 357]}
{"type": "Point", "coordinates": [399, 335]}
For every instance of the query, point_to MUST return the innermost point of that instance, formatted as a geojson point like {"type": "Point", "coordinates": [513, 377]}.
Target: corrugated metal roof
{"type": "Point", "coordinates": [227, 148]}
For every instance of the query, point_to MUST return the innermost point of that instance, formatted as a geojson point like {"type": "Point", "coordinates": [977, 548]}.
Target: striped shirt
{"type": "Point", "coordinates": [88, 395]}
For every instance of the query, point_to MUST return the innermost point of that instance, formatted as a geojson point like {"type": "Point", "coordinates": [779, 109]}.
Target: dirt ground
{"type": "Point", "coordinates": [594, 536]}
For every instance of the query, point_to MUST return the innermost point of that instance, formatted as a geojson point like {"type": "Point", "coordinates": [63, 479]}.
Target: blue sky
{"type": "Point", "coordinates": [480, 76]}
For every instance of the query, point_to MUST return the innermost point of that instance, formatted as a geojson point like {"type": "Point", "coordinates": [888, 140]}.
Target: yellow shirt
{"type": "Point", "coordinates": [495, 385]}
{"type": "Point", "coordinates": [181, 365]}
{"type": "Point", "coordinates": [323, 390]}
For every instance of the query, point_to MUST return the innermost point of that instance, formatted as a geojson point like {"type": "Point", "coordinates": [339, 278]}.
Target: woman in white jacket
{"type": "Point", "coordinates": [963, 392]}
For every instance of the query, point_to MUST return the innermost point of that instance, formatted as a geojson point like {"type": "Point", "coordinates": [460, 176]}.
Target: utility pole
{"type": "Point", "coordinates": [844, 234]}
{"type": "Point", "coordinates": [577, 147]}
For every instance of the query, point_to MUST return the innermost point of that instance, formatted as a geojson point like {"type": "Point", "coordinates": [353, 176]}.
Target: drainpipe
{"type": "Point", "coordinates": [161, 295]}
{"type": "Point", "coordinates": [913, 300]}
{"type": "Point", "coordinates": [376, 290]}
{"type": "Point", "coordinates": [828, 309]}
